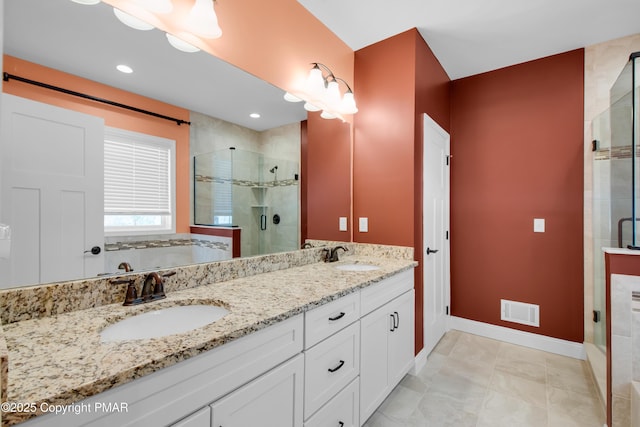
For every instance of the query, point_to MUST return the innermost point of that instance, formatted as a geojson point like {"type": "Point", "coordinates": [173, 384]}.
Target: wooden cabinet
{"type": "Point", "coordinates": [387, 344]}
{"type": "Point", "coordinates": [272, 400]}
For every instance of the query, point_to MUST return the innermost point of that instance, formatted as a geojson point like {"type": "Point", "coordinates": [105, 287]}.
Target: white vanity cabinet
{"type": "Point", "coordinates": [329, 367]}
{"type": "Point", "coordinates": [387, 340]}
{"type": "Point", "coordinates": [202, 418]}
{"type": "Point", "coordinates": [274, 399]}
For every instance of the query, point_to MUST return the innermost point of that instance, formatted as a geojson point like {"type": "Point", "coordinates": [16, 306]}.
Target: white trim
{"type": "Point", "coordinates": [419, 363]}
{"type": "Point", "coordinates": [526, 339]}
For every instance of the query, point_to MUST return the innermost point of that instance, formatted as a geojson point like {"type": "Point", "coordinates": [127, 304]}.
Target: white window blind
{"type": "Point", "coordinates": [137, 176]}
{"type": "Point", "coordinates": [222, 192]}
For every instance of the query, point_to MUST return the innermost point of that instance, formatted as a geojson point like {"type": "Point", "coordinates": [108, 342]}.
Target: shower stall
{"type": "Point", "coordinates": [616, 180]}
{"type": "Point", "coordinates": [245, 189]}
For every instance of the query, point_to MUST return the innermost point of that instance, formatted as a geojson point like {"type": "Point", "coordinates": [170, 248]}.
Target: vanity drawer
{"type": "Point", "coordinates": [328, 319]}
{"type": "Point", "coordinates": [330, 366]}
{"type": "Point", "coordinates": [342, 410]}
{"type": "Point", "coordinates": [379, 294]}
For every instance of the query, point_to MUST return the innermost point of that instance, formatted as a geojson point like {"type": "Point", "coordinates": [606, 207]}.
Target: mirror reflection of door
{"type": "Point", "coordinates": [51, 192]}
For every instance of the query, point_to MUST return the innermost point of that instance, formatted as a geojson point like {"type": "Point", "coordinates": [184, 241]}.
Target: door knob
{"type": "Point", "coordinates": [431, 251]}
{"type": "Point", "coordinates": [94, 250]}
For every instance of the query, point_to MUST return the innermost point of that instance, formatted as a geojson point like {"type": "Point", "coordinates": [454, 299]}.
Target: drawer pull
{"type": "Point", "coordinates": [396, 316]}
{"type": "Point", "coordinates": [339, 316]}
{"type": "Point", "coordinates": [393, 323]}
{"type": "Point", "coordinates": [337, 367]}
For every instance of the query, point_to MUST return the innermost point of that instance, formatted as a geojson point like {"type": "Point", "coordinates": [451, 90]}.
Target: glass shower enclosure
{"type": "Point", "coordinates": [245, 189]}
{"type": "Point", "coordinates": [616, 180]}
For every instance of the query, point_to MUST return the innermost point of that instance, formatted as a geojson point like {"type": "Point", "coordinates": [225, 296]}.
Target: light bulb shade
{"type": "Point", "coordinates": [158, 6]}
{"type": "Point", "coordinates": [132, 21]}
{"type": "Point", "coordinates": [326, 115]}
{"type": "Point", "coordinates": [89, 2]}
{"type": "Point", "coordinates": [291, 98]}
{"type": "Point", "coordinates": [311, 107]}
{"type": "Point", "coordinates": [181, 44]}
{"type": "Point", "coordinates": [348, 105]}
{"type": "Point", "coordinates": [203, 21]}
{"type": "Point", "coordinates": [333, 95]}
{"type": "Point", "coordinates": [315, 83]}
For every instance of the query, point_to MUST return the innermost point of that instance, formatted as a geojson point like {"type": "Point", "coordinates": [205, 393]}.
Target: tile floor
{"type": "Point", "coordinates": [476, 381]}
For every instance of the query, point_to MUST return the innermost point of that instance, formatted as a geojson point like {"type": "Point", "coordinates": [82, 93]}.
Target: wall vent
{"type": "Point", "coordinates": [520, 312]}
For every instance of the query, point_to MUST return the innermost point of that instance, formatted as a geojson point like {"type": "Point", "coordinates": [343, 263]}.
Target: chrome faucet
{"type": "Point", "coordinates": [332, 254]}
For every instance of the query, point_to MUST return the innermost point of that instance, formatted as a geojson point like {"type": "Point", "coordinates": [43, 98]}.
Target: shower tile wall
{"type": "Point", "coordinates": [603, 63]}
{"type": "Point", "coordinates": [624, 340]}
{"type": "Point", "coordinates": [283, 143]}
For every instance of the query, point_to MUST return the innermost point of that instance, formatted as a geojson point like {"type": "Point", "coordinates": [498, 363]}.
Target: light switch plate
{"type": "Point", "coordinates": [538, 225]}
{"type": "Point", "coordinates": [363, 225]}
{"type": "Point", "coordinates": [343, 223]}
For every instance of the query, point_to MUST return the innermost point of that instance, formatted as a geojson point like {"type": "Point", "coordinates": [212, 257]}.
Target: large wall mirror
{"type": "Point", "coordinates": [259, 157]}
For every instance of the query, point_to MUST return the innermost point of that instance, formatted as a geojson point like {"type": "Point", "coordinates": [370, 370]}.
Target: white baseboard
{"type": "Point", "coordinates": [420, 362]}
{"type": "Point", "coordinates": [514, 336]}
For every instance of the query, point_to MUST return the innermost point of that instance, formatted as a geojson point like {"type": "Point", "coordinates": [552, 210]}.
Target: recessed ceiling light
{"type": "Point", "coordinates": [254, 115]}
{"type": "Point", "coordinates": [86, 1]}
{"type": "Point", "coordinates": [124, 69]}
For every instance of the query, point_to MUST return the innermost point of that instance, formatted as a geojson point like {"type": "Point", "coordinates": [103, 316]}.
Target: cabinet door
{"type": "Point", "coordinates": [202, 418]}
{"type": "Point", "coordinates": [374, 331]}
{"type": "Point", "coordinates": [272, 400]}
{"type": "Point", "coordinates": [401, 338]}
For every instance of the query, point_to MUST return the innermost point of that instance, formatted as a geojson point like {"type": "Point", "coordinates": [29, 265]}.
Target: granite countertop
{"type": "Point", "coordinates": [60, 359]}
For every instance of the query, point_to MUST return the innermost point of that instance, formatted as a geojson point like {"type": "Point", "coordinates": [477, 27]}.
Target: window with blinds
{"type": "Point", "coordinates": [139, 182]}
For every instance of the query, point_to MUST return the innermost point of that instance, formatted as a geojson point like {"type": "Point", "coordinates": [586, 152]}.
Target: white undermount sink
{"type": "Point", "coordinates": [163, 322]}
{"type": "Point", "coordinates": [357, 267]}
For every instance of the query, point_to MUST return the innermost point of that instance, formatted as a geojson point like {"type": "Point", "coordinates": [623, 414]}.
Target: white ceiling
{"type": "Point", "coordinates": [89, 41]}
{"type": "Point", "coordinates": [467, 36]}
{"type": "Point", "coordinates": [473, 36]}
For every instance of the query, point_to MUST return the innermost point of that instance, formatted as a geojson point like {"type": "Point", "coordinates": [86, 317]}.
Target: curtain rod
{"type": "Point", "coordinates": [7, 76]}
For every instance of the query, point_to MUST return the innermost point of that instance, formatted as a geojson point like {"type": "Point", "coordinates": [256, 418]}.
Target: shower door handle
{"type": "Point", "coordinates": [263, 222]}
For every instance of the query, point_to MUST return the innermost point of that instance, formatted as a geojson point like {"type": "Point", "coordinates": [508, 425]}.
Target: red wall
{"type": "Point", "coordinates": [326, 178]}
{"type": "Point", "coordinates": [398, 80]}
{"type": "Point", "coordinates": [517, 146]}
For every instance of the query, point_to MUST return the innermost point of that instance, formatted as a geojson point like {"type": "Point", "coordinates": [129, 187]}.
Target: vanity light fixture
{"type": "Point", "coordinates": [132, 21]}
{"type": "Point", "coordinates": [202, 20]}
{"type": "Point", "coordinates": [322, 93]}
{"type": "Point", "coordinates": [181, 44]}
{"type": "Point", "coordinates": [157, 6]}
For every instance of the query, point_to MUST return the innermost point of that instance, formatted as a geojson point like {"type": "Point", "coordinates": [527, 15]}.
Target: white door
{"type": "Point", "coordinates": [436, 229]}
{"type": "Point", "coordinates": [51, 193]}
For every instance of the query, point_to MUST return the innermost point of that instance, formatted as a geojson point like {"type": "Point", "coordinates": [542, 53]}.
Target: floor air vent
{"type": "Point", "coordinates": [520, 312]}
